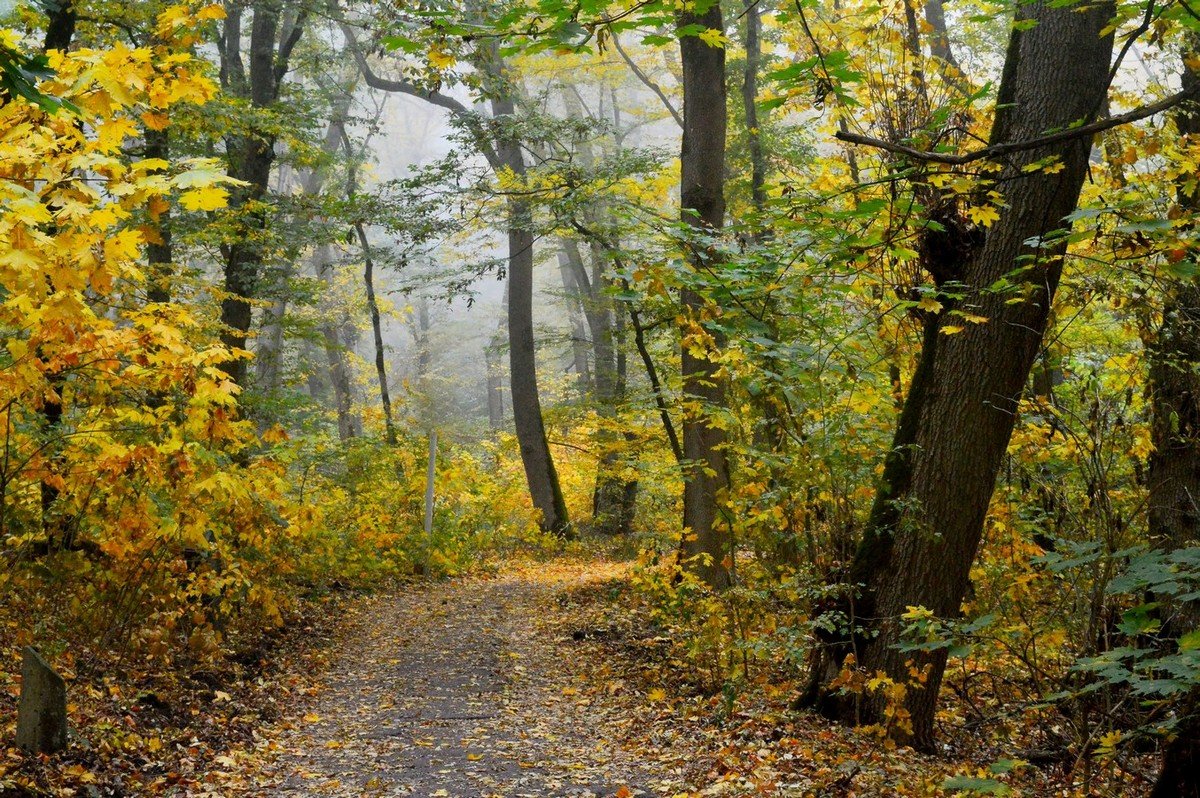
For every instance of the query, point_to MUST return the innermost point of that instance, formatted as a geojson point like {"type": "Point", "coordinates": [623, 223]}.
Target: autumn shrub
{"type": "Point", "coordinates": [144, 518]}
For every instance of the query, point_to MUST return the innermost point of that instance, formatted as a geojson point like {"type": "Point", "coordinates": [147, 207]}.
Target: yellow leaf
{"type": "Point", "coordinates": [713, 38]}
{"type": "Point", "coordinates": [951, 329]}
{"type": "Point", "coordinates": [439, 58]}
{"type": "Point", "coordinates": [983, 214]}
{"type": "Point", "coordinates": [205, 198]}
{"type": "Point", "coordinates": [930, 304]}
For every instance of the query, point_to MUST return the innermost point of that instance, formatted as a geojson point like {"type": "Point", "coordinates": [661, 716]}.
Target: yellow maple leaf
{"type": "Point", "coordinates": [440, 59]}
{"type": "Point", "coordinates": [205, 198]}
{"type": "Point", "coordinates": [713, 38]}
{"type": "Point", "coordinates": [983, 214]}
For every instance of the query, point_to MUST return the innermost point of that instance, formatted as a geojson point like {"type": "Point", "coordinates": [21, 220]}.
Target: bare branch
{"type": "Point", "coordinates": [1004, 148]}
{"type": "Point", "coordinates": [403, 86]}
{"type": "Point", "coordinates": [647, 81]}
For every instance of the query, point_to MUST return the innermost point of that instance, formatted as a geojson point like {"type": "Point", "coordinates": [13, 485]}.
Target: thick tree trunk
{"type": "Point", "coordinates": [1180, 774]}
{"type": "Point", "coordinates": [544, 488]}
{"type": "Point", "coordinates": [60, 27]}
{"type": "Point", "coordinates": [526, 404]}
{"type": "Point", "coordinates": [540, 473]}
{"type": "Point", "coordinates": [928, 517]}
{"type": "Point", "coordinates": [705, 548]}
{"type": "Point", "coordinates": [1174, 467]}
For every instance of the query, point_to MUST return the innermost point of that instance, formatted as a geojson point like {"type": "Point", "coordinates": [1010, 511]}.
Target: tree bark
{"type": "Point", "coordinates": [60, 28]}
{"type": "Point", "coordinates": [1174, 466]}
{"type": "Point", "coordinates": [159, 253]}
{"type": "Point", "coordinates": [927, 520]}
{"type": "Point", "coordinates": [385, 398]}
{"type": "Point", "coordinates": [704, 545]}
{"type": "Point", "coordinates": [579, 334]}
{"type": "Point", "coordinates": [758, 159]}
{"type": "Point", "coordinates": [540, 473]}
{"type": "Point", "coordinates": [251, 156]}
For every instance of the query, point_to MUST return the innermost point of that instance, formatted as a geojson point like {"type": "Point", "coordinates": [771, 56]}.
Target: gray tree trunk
{"type": "Point", "coordinates": [579, 334]}
{"type": "Point", "coordinates": [251, 156]}
{"type": "Point", "coordinates": [385, 397]}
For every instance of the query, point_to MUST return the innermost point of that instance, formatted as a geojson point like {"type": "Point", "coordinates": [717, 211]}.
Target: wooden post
{"type": "Point", "coordinates": [429, 477]}
{"type": "Point", "coordinates": [42, 710]}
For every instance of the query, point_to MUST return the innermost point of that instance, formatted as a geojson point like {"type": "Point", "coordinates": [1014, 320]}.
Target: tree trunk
{"type": "Point", "coordinates": [385, 398]}
{"type": "Point", "coordinates": [335, 351]}
{"type": "Point", "coordinates": [609, 497]}
{"type": "Point", "coordinates": [758, 160]}
{"type": "Point", "coordinates": [268, 357]}
{"type": "Point", "coordinates": [60, 28]}
{"type": "Point", "coordinates": [159, 253]}
{"type": "Point", "coordinates": [927, 520]}
{"type": "Point", "coordinates": [544, 488]}
{"type": "Point", "coordinates": [579, 335]}
{"type": "Point", "coordinates": [704, 546]}
{"type": "Point", "coordinates": [1174, 467]}
{"type": "Point", "coordinates": [251, 157]}
{"type": "Point", "coordinates": [495, 382]}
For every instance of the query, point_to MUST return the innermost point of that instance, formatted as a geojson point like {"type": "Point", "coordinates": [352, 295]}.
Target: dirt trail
{"type": "Point", "coordinates": [458, 689]}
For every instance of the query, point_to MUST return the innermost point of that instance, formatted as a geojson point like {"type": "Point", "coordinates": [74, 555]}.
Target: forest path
{"type": "Point", "coordinates": [463, 688]}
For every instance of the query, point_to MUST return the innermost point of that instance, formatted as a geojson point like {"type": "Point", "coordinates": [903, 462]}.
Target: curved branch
{"type": "Point", "coordinates": [647, 81]}
{"type": "Point", "coordinates": [1004, 148]}
{"type": "Point", "coordinates": [403, 86]}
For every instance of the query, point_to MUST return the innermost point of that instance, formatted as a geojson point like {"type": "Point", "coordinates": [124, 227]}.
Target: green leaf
{"type": "Point", "coordinates": [976, 786]}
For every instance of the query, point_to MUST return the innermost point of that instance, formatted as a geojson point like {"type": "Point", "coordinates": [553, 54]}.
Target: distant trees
{"type": "Point", "coordinates": [498, 140]}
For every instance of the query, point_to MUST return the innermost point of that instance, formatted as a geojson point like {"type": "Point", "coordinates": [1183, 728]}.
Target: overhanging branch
{"type": "Point", "coordinates": [1005, 148]}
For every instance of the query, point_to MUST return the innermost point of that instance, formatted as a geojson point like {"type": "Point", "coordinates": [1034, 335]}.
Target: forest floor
{"type": "Point", "coordinates": [463, 688]}
{"type": "Point", "coordinates": [548, 679]}
{"type": "Point", "coordinates": [543, 681]}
